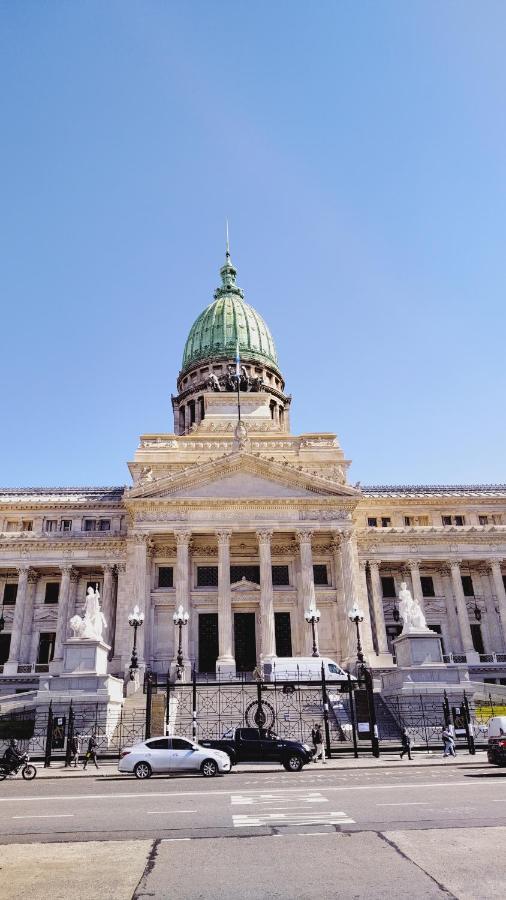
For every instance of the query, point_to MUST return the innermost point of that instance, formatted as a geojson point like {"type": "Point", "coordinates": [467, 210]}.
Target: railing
{"type": "Point", "coordinates": [28, 668]}
{"type": "Point", "coordinates": [485, 658]}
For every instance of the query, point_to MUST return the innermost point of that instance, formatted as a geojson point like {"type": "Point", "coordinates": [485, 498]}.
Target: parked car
{"type": "Point", "coordinates": [172, 754]}
{"type": "Point", "coordinates": [254, 744]}
{"type": "Point", "coordinates": [496, 750]}
{"type": "Point", "coordinates": [303, 668]}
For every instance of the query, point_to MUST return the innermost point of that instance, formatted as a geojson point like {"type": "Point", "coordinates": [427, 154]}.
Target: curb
{"type": "Point", "coordinates": [64, 773]}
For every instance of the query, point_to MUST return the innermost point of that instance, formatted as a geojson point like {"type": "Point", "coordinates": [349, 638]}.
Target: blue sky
{"type": "Point", "coordinates": [358, 150]}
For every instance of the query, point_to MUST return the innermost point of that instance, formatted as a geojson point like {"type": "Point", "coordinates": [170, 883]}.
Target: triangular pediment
{"type": "Point", "coordinates": [241, 475]}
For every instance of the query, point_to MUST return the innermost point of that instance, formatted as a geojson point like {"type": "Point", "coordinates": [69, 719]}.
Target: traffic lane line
{"type": "Point", "coordinates": [406, 803]}
{"type": "Point", "coordinates": [47, 816]}
{"type": "Point", "coordinates": [169, 812]}
{"type": "Point", "coordinates": [224, 793]}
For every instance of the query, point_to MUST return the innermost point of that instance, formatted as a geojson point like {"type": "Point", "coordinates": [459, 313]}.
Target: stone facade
{"type": "Point", "coordinates": [246, 527]}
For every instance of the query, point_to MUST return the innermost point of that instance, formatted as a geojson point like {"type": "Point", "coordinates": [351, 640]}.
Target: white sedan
{"type": "Point", "coordinates": [172, 754]}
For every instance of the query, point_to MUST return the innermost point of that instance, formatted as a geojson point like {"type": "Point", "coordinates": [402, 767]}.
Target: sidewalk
{"type": "Point", "coordinates": [387, 760]}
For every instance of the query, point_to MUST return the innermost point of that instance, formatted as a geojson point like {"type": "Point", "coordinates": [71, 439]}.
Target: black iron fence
{"type": "Point", "coordinates": [47, 733]}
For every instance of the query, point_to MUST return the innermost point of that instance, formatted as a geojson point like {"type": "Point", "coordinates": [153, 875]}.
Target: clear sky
{"type": "Point", "coordinates": [358, 150]}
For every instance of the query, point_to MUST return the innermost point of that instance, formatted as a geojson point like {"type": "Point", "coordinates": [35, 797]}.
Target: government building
{"type": "Point", "coordinates": [247, 526]}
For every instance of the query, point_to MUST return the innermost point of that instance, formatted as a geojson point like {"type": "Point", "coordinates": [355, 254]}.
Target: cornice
{"type": "Point", "coordinates": [428, 534]}
{"type": "Point", "coordinates": [44, 545]}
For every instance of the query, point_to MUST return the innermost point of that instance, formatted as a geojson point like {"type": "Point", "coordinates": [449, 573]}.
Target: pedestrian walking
{"type": "Point", "coordinates": [317, 738]}
{"type": "Point", "coordinates": [75, 749]}
{"type": "Point", "coordinates": [406, 743]}
{"type": "Point", "coordinates": [91, 752]}
{"type": "Point", "coordinates": [448, 742]}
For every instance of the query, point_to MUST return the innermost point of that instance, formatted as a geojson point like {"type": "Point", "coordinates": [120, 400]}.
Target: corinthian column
{"type": "Point", "coordinates": [306, 591]}
{"type": "Point", "coordinates": [462, 615]}
{"type": "Point", "coordinates": [377, 602]}
{"type": "Point", "coordinates": [56, 665]}
{"type": "Point", "coordinates": [182, 586]}
{"type": "Point", "coordinates": [108, 600]}
{"type": "Point", "coordinates": [266, 595]}
{"type": "Point", "coordinates": [495, 568]}
{"type": "Point", "coordinates": [355, 591]}
{"type": "Point", "coordinates": [225, 662]}
{"type": "Point", "coordinates": [414, 570]}
{"type": "Point", "coordinates": [11, 666]}
{"type": "Point", "coordinates": [26, 637]}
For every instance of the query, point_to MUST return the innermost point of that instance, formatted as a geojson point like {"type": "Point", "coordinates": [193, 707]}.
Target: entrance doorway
{"type": "Point", "coordinates": [245, 642]}
{"type": "Point", "coordinates": [208, 641]}
{"type": "Point", "coordinates": [283, 634]}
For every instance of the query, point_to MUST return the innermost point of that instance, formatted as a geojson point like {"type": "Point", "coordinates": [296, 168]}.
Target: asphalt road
{"type": "Point", "coordinates": [432, 832]}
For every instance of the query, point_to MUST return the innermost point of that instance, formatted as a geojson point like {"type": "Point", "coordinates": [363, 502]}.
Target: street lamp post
{"type": "Point", "coordinates": [180, 618]}
{"type": "Point", "coordinates": [356, 616]}
{"type": "Point", "coordinates": [312, 617]}
{"type": "Point", "coordinates": [136, 620]}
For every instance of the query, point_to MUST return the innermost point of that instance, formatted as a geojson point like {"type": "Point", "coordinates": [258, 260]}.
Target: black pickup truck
{"type": "Point", "coordinates": [254, 744]}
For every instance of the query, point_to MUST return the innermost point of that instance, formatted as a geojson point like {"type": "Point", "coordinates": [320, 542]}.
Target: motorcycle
{"type": "Point", "coordinates": [12, 767]}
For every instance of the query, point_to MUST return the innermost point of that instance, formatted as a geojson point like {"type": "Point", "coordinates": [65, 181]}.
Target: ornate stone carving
{"type": "Point", "coordinates": [264, 536]}
{"type": "Point", "coordinates": [304, 536]}
{"type": "Point", "coordinates": [183, 536]}
{"type": "Point", "coordinates": [223, 536]}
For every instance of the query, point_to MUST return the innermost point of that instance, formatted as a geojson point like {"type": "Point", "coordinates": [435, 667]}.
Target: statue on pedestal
{"type": "Point", "coordinates": [91, 626]}
{"type": "Point", "coordinates": [410, 611]}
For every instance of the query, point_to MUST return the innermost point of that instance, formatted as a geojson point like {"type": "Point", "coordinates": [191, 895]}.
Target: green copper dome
{"type": "Point", "coordinates": [227, 321]}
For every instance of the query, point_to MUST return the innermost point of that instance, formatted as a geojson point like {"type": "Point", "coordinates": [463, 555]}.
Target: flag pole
{"type": "Point", "coordinates": [238, 377]}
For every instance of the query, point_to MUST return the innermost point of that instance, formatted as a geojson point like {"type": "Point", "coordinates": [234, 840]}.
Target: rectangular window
{"type": "Point", "coordinates": [477, 638]}
{"type": "Point", "coordinates": [165, 577]}
{"type": "Point", "coordinates": [10, 594]}
{"type": "Point", "coordinates": [90, 524]}
{"type": "Point", "coordinates": [467, 585]}
{"type": "Point", "coordinates": [207, 576]}
{"type": "Point", "coordinates": [45, 652]}
{"type": "Point", "coordinates": [5, 646]}
{"type": "Point", "coordinates": [52, 592]}
{"type": "Point", "coordinates": [416, 520]}
{"type": "Point", "coordinates": [12, 526]}
{"type": "Point", "coordinates": [280, 576]}
{"type": "Point", "coordinates": [386, 522]}
{"type": "Point", "coordinates": [427, 585]}
{"type": "Point", "coordinates": [453, 520]}
{"type": "Point", "coordinates": [27, 525]}
{"type": "Point", "coordinates": [496, 519]}
{"type": "Point", "coordinates": [372, 522]}
{"type": "Point", "coordinates": [250, 573]}
{"type": "Point", "coordinates": [388, 585]}
{"type": "Point", "coordinates": [104, 525]}
{"type": "Point", "coordinates": [483, 520]}
{"type": "Point", "coordinates": [283, 633]}
{"type": "Point", "coordinates": [320, 574]}
{"type": "Point", "coordinates": [51, 525]}
{"type": "Point", "coordinates": [66, 525]}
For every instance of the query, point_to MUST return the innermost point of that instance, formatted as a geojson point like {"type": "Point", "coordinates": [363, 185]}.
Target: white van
{"type": "Point", "coordinates": [303, 668]}
{"type": "Point", "coordinates": [496, 727]}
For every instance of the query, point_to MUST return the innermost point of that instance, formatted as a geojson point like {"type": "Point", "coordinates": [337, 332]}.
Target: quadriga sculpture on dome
{"type": "Point", "coordinates": [410, 611]}
{"type": "Point", "coordinates": [92, 625]}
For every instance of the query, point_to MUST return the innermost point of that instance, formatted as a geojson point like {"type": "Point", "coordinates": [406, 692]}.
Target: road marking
{"type": "Point", "coordinates": [355, 787]}
{"type": "Point", "coordinates": [168, 812]}
{"type": "Point", "coordinates": [50, 816]}
{"type": "Point", "coordinates": [273, 819]}
{"type": "Point", "coordinates": [173, 840]}
{"type": "Point", "coordinates": [412, 803]}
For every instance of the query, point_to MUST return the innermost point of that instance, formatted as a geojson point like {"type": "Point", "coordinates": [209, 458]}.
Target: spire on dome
{"type": "Point", "coordinates": [228, 273]}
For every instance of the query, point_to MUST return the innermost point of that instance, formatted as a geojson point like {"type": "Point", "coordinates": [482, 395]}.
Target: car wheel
{"type": "Point", "coordinates": [29, 772]}
{"type": "Point", "coordinates": [143, 770]}
{"type": "Point", "coordinates": [293, 763]}
{"type": "Point", "coordinates": [209, 768]}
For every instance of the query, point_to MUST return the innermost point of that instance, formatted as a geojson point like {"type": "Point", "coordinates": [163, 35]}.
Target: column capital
{"type": "Point", "coordinates": [23, 569]}
{"type": "Point", "coordinates": [444, 569]}
{"type": "Point", "coordinates": [455, 564]}
{"type": "Point", "coordinates": [374, 564]}
{"type": "Point", "coordinates": [183, 537]}
{"type": "Point", "coordinates": [495, 562]}
{"type": "Point", "coordinates": [413, 563]}
{"type": "Point", "coordinates": [347, 536]}
{"type": "Point", "coordinates": [224, 535]}
{"type": "Point", "coordinates": [304, 535]}
{"type": "Point", "coordinates": [33, 576]}
{"type": "Point", "coordinates": [120, 568]}
{"type": "Point", "coordinates": [264, 536]}
{"type": "Point", "coordinates": [362, 563]}
{"type": "Point", "coordinates": [336, 541]}
{"type": "Point", "coordinates": [108, 568]}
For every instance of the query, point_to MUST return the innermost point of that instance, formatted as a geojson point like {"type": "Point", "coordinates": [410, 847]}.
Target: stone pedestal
{"type": "Point", "coordinates": [82, 656]}
{"type": "Point", "coordinates": [418, 648]}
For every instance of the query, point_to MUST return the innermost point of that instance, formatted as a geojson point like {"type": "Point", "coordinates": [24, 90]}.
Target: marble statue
{"type": "Point", "coordinates": [92, 625]}
{"type": "Point", "coordinates": [410, 611]}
